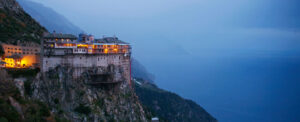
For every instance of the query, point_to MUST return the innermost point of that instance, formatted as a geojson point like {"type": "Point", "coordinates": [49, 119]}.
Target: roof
{"type": "Point", "coordinates": [154, 118]}
{"type": "Point", "coordinates": [110, 40]}
{"type": "Point", "coordinates": [60, 36]}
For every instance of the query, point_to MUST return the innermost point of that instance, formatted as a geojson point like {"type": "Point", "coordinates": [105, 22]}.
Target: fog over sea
{"type": "Point", "coordinates": [239, 59]}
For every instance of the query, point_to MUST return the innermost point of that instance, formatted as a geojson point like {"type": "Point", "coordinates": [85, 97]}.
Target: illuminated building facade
{"type": "Point", "coordinates": [85, 52]}
{"type": "Point", "coordinates": [21, 56]}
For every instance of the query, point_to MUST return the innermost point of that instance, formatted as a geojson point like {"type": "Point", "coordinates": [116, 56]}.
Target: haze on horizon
{"type": "Point", "coordinates": [239, 59]}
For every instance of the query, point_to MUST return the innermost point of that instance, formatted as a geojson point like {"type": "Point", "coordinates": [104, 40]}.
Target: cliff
{"type": "Point", "coordinates": [78, 100]}
{"type": "Point", "coordinates": [56, 95]}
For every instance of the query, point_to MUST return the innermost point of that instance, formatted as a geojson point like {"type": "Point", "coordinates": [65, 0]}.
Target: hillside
{"type": "Point", "coordinates": [16, 25]}
{"type": "Point", "coordinates": [45, 16]}
{"type": "Point", "coordinates": [169, 106]}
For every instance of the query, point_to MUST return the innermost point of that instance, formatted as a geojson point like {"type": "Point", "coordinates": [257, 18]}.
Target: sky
{"type": "Point", "coordinates": [239, 59]}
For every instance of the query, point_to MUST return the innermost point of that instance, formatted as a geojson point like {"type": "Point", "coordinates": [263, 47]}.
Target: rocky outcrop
{"type": "Point", "coordinates": [77, 100]}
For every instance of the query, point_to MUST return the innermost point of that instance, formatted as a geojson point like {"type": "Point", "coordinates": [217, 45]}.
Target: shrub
{"type": "Point", "coordinates": [27, 87]}
{"type": "Point", "coordinates": [23, 72]}
{"type": "Point", "coordinates": [3, 119]}
{"type": "Point", "coordinates": [44, 110]}
{"type": "Point", "coordinates": [99, 103]}
{"type": "Point", "coordinates": [82, 109]}
{"type": "Point", "coordinates": [56, 101]}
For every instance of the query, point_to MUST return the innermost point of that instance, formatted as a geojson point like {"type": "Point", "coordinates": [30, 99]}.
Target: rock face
{"type": "Point", "coordinates": [77, 100]}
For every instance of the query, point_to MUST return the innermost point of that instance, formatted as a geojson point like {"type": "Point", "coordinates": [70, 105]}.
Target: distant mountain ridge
{"type": "Point", "coordinates": [49, 18]}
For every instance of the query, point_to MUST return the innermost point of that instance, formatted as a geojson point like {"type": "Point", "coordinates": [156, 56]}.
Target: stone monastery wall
{"type": "Point", "coordinates": [81, 62]}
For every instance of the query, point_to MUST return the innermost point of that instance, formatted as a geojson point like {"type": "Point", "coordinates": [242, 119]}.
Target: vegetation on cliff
{"type": "Point", "coordinates": [16, 25]}
{"type": "Point", "coordinates": [15, 107]}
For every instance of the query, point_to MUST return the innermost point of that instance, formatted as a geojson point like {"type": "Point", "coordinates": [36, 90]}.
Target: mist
{"type": "Point", "coordinates": [239, 59]}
